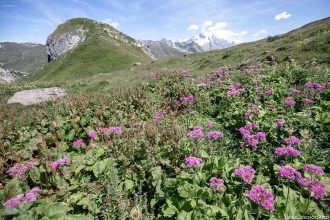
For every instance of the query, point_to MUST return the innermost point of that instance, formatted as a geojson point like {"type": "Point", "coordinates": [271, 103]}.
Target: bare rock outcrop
{"type": "Point", "coordinates": [35, 96]}
{"type": "Point", "coordinates": [58, 44]}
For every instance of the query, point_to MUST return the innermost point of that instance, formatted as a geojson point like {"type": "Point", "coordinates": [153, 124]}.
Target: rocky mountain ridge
{"type": "Point", "coordinates": [199, 43]}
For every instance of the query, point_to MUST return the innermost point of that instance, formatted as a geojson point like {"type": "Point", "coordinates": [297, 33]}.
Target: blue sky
{"type": "Point", "coordinates": [239, 20]}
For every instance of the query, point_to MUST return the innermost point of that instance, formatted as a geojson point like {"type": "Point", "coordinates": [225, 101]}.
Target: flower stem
{"type": "Point", "coordinates": [309, 201]}
{"type": "Point", "coordinates": [287, 198]}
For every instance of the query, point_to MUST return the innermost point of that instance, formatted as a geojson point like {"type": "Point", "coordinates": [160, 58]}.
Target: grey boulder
{"type": "Point", "coordinates": [35, 96]}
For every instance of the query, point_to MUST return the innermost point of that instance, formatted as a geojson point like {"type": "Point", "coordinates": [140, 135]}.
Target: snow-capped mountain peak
{"type": "Point", "coordinates": [210, 42]}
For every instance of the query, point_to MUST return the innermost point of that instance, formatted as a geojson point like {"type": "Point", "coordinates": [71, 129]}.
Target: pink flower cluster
{"type": "Point", "coordinates": [292, 140]}
{"type": "Point", "coordinates": [214, 135]}
{"type": "Point", "coordinates": [288, 172]}
{"type": "Point", "coordinates": [193, 161]}
{"type": "Point", "coordinates": [59, 162]}
{"type": "Point", "coordinates": [187, 99]}
{"type": "Point", "coordinates": [210, 124]}
{"type": "Point", "coordinates": [28, 197]}
{"type": "Point", "coordinates": [280, 122]}
{"type": "Point", "coordinates": [158, 116]}
{"type": "Point", "coordinates": [196, 133]}
{"type": "Point", "coordinates": [287, 151]}
{"type": "Point", "coordinates": [308, 101]}
{"type": "Point", "coordinates": [217, 184]}
{"type": "Point", "coordinates": [20, 169]}
{"type": "Point", "coordinates": [92, 134]}
{"type": "Point", "coordinates": [113, 130]}
{"type": "Point", "coordinates": [234, 90]}
{"type": "Point", "coordinates": [251, 139]}
{"type": "Point", "coordinates": [313, 169]}
{"type": "Point", "coordinates": [153, 76]}
{"type": "Point", "coordinates": [78, 143]}
{"type": "Point", "coordinates": [262, 197]}
{"type": "Point", "coordinates": [246, 173]}
{"type": "Point", "coordinates": [315, 86]}
{"type": "Point", "coordinates": [289, 101]}
{"type": "Point", "coordinates": [316, 187]}
{"type": "Point", "coordinates": [268, 92]}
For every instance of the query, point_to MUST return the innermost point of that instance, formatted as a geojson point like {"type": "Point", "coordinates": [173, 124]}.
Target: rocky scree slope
{"type": "Point", "coordinates": [83, 47]}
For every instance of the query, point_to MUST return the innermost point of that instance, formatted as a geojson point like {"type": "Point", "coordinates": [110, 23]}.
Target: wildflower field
{"type": "Point", "coordinates": [235, 144]}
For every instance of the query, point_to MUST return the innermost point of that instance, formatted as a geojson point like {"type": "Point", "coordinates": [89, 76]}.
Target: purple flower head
{"type": "Point", "coordinates": [313, 169]}
{"type": "Point", "coordinates": [289, 101]}
{"type": "Point", "coordinates": [193, 161]}
{"type": "Point", "coordinates": [316, 187]}
{"type": "Point", "coordinates": [78, 143]}
{"type": "Point", "coordinates": [214, 135]}
{"type": "Point", "coordinates": [92, 134]}
{"type": "Point", "coordinates": [28, 197]}
{"type": "Point", "coordinates": [217, 184]}
{"type": "Point", "coordinates": [59, 162]}
{"type": "Point", "coordinates": [280, 122]}
{"type": "Point", "coordinates": [262, 197]}
{"type": "Point", "coordinates": [246, 173]}
{"type": "Point", "coordinates": [158, 116]}
{"type": "Point", "coordinates": [187, 99]}
{"type": "Point", "coordinates": [153, 76]}
{"type": "Point", "coordinates": [292, 140]}
{"type": "Point", "coordinates": [308, 101]}
{"type": "Point", "coordinates": [261, 135]}
{"type": "Point", "coordinates": [14, 202]}
{"type": "Point", "coordinates": [197, 133]}
{"type": "Point", "coordinates": [116, 129]}
{"type": "Point", "coordinates": [268, 92]}
{"type": "Point", "coordinates": [20, 169]}
{"type": "Point", "coordinates": [287, 151]}
{"type": "Point", "coordinates": [287, 172]}
{"type": "Point", "coordinates": [210, 124]}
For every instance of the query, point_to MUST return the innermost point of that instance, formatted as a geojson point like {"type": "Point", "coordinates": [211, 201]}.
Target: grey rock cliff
{"type": "Point", "coordinates": [60, 44]}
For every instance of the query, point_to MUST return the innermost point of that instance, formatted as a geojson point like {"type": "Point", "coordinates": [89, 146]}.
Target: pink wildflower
{"type": "Point", "coordinates": [214, 135]}
{"type": "Point", "coordinates": [78, 143]}
{"type": "Point", "coordinates": [288, 172]}
{"type": "Point", "coordinates": [262, 197]}
{"type": "Point", "coordinates": [280, 122]}
{"type": "Point", "coordinates": [316, 187]}
{"type": "Point", "coordinates": [287, 151]}
{"type": "Point", "coordinates": [246, 173]}
{"type": "Point", "coordinates": [313, 169]}
{"type": "Point", "coordinates": [20, 169]}
{"type": "Point", "coordinates": [210, 124]}
{"type": "Point", "coordinates": [193, 161]}
{"type": "Point", "coordinates": [92, 134]}
{"type": "Point", "coordinates": [292, 140]}
{"type": "Point", "coordinates": [289, 101]}
{"type": "Point", "coordinates": [217, 184]}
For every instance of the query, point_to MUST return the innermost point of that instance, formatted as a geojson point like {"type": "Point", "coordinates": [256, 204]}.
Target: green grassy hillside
{"type": "Point", "coordinates": [99, 53]}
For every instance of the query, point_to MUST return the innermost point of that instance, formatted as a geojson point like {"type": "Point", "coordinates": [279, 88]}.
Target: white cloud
{"type": "Point", "coordinates": [221, 31]}
{"type": "Point", "coordinates": [261, 32]}
{"type": "Point", "coordinates": [283, 15]}
{"type": "Point", "coordinates": [193, 27]}
{"type": "Point", "coordinates": [109, 21]}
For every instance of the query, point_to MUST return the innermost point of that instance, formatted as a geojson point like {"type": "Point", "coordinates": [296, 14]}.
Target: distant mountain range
{"type": "Point", "coordinates": [199, 43]}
